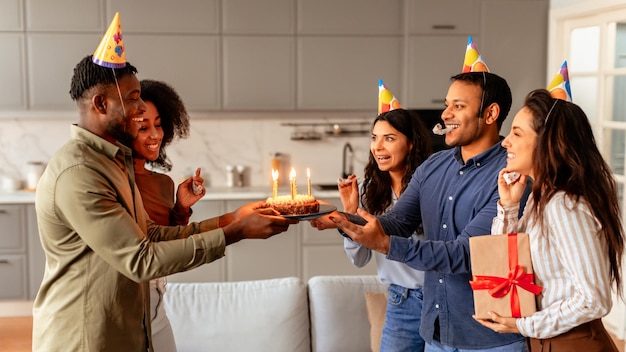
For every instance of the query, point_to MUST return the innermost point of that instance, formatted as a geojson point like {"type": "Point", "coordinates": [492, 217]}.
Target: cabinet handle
{"type": "Point", "coordinates": [438, 101]}
{"type": "Point", "coordinates": [2, 211]}
{"type": "Point", "coordinates": [444, 26]}
{"type": "Point", "coordinates": [4, 261]}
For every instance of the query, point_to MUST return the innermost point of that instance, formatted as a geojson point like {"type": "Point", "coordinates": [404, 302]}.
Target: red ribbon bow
{"type": "Point", "coordinates": [499, 286]}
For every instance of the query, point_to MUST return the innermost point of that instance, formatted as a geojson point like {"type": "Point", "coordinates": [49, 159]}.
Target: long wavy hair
{"type": "Point", "coordinates": [376, 195]}
{"type": "Point", "coordinates": [567, 159]}
{"type": "Point", "coordinates": [174, 117]}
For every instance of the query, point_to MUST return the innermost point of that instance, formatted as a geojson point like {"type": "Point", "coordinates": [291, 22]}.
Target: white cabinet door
{"type": "Point", "coordinates": [443, 17]}
{"type": "Point", "coordinates": [323, 253]}
{"type": "Point", "coordinates": [211, 272]}
{"type": "Point", "coordinates": [343, 72]}
{"type": "Point", "coordinates": [189, 63]}
{"type": "Point", "coordinates": [263, 259]}
{"type": "Point", "coordinates": [259, 72]}
{"type": "Point", "coordinates": [350, 17]}
{"type": "Point", "coordinates": [12, 71]}
{"type": "Point", "coordinates": [13, 276]}
{"type": "Point", "coordinates": [432, 61]}
{"type": "Point", "coordinates": [50, 68]}
{"type": "Point", "coordinates": [36, 255]}
{"type": "Point", "coordinates": [65, 15]}
{"type": "Point", "coordinates": [163, 16]}
{"type": "Point", "coordinates": [258, 17]}
{"type": "Point", "coordinates": [11, 15]}
{"type": "Point", "coordinates": [513, 47]}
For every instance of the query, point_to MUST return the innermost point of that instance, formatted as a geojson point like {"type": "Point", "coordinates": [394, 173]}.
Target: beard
{"type": "Point", "coordinates": [123, 129]}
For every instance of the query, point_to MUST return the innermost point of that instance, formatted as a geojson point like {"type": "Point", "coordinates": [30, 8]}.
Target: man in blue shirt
{"type": "Point", "coordinates": [453, 194]}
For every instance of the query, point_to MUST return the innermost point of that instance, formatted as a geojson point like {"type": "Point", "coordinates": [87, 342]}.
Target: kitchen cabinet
{"type": "Point", "coordinates": [11, 15]}
{"type": "Point", "coordinates": [13, 253]}
{"type": "Point", "coordinates": [50, 69]}
{"type": "Point", "coordinates": [36, 255]}
{"type": "Point", "coordinates": [443, 17]}
{"type": "Point", "coordinates": [268, 17]}
{"type": "Point", "coordinates": [45, 15]}
{"type": "Point", "coordinates": [165, 17]}
{"type": "Point", "coordinates": [263, 259]}
{"type": "Point", "coordinates": [190, 64]}
{"type": "Point", "coordinates": [275, 55]}
{"type": "Point", "coordinates": [12, 71]}
{"type": "Point", "coordinates": [212, 272]}
{"type": "Point", "coordinates": [265, 80]}
{"type": "Point", "coordinates": [429, 72]}
{"type": "Point", "coordinates": [342, 73]}
{"type": "Point", "coordinates": [350, 17]}
{"type": "Point", "coordinates": [516, 50]}
{"type": "Point", "coordinates": [323, 253]}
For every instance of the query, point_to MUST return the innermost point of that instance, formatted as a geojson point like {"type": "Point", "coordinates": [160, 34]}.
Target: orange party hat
{"type": "Point", "coordinates": [559, 87]}
{"type": "Point", "coordinates": [110, 53]}
{"type": "Point", "coordinates": [386, 100]}
{"type": "Point", "coordinates": [473, 62]}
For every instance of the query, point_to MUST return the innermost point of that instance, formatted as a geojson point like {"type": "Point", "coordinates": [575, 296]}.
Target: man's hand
{"type": "Point", "coordinates": [255, 221]}
{"type": "Point", "coordinates": [370, 235]}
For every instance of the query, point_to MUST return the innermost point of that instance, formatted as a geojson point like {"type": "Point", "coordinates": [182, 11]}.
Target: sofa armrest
{"type": "Point", "coordinates": [338, 312]}
{"type": "Point", "coordinates": [261, 315]}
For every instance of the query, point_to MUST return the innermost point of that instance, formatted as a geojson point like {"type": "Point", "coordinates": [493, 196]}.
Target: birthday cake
{"type": "Point", "coordinates": [300, 204]}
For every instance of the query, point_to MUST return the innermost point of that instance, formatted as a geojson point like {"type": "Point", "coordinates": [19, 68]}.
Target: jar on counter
{"type": "Point", "coordinates": [34, 170]}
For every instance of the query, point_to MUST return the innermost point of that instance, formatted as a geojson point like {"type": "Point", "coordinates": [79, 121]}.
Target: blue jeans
{"type": "Point", "coordinates": [512, 347]}
{"type": "Point", "coordinates": [402, 320]}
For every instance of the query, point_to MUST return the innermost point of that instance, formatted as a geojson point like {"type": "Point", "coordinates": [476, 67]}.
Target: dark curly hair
{"type": "Point", "coordinates": [566, 158]}
{"type": "Point", "coordinates": [495, 89]}
{"type": "Point", "coordinates": [376, 195]}
{"type": "Point", "coordinates": [87, 75]}
{"type": "Point", "coordinates": [174, 117]}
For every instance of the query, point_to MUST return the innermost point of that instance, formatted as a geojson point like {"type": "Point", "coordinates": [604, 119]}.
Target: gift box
{"type": "Point", "coordinates": [502, 276]}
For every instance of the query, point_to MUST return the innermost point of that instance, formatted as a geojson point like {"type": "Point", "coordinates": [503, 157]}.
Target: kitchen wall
{"type": "Point", "coordinates": [248, 139]}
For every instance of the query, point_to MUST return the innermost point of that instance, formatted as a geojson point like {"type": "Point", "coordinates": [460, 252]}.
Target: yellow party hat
{"type": "Point", "coordinates": [559, 86]}
{"type": "Point", "coordinates": [110, 53]}
{"type": "Point", "coordinates": [473, 62]}
{"type": "Point", "coordinates": [386, 100]}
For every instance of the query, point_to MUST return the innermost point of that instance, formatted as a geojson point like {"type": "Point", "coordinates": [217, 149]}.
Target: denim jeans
{"type": "Point", "coordinates": [512, 347]}
{"type": "Point", "coordinates": [402, 320]}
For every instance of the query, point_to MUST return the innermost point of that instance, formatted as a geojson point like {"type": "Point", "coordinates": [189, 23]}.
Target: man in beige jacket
{"type": "Point", "coordinates": [101, 248]}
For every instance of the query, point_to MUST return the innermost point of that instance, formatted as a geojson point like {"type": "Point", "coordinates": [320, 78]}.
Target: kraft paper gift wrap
{"type": "Point", "coordinates": [502, 275]}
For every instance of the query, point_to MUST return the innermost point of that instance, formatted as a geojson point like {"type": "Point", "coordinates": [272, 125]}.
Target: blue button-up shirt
{"type": "Point", "coordinates": [453, 200]}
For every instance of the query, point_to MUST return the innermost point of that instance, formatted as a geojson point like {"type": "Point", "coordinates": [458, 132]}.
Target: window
{"type": "Point", "coordinates": [591, 36]}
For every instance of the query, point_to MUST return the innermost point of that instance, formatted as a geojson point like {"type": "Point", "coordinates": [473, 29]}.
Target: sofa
{"type": "Point", "coordinates": [325, 314]}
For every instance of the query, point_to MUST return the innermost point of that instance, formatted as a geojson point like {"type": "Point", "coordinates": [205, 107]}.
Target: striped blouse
{"type": "Point", "coordinates": [569, 260]}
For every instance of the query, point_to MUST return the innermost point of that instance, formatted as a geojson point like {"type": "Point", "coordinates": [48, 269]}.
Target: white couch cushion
{"type": "Point", "coordinates": [338, 312]}
{"type": "Point", "coordinates": [263, 315]}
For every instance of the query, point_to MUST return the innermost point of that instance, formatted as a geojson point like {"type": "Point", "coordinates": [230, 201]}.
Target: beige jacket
{"type": "Point", "coordinates": [102, 249]}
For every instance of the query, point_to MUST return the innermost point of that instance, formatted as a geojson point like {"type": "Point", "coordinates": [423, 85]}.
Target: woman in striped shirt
{"type": "Point", "coordinates": [573, 220]}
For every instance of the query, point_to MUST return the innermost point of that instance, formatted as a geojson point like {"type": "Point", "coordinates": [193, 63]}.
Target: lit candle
{"type": "Point", "coordinates": [308, 180]}
{"type": "Point", "coordinates": [292, 182]}
{"type": "Point", "coordinates": [275, 183]}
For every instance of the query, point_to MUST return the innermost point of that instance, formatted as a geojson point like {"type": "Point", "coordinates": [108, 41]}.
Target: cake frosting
{"type": "Point", "coordinates": [298, 205]}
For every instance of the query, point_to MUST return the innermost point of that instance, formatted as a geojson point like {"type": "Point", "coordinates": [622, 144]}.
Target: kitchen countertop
{"type": "Point", "coordinates": [213, 193]}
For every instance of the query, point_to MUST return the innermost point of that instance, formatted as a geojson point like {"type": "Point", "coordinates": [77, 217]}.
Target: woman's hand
{"type": "Point", "coordinates": [190, 191]}
{"type": "Point", "coordinates": [349, 194]}
{"type": "Point", "coordinates": [510, 194]}
{"type": "Point", "coordinates": [499, 324]}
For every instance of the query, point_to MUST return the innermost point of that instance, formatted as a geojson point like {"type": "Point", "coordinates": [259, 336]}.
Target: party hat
{"type": "Point", "coordinates": [110, 53]}
{"type": "Point", "coordinates": [386, 100]}
{"type": "Point", "coordinates": [559, 87]}
{"type": "Point", "coordinates": [473, 61]}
